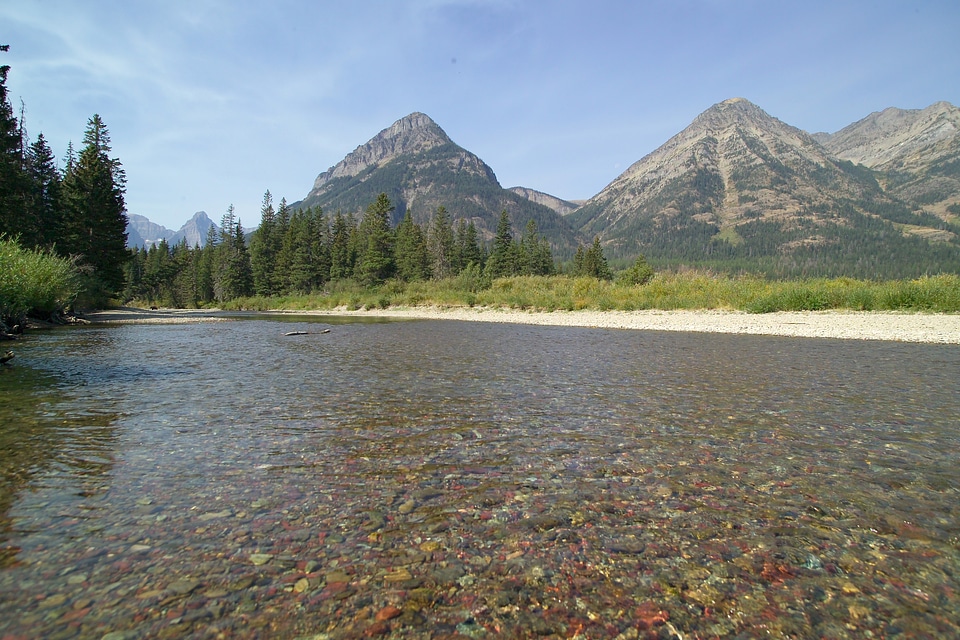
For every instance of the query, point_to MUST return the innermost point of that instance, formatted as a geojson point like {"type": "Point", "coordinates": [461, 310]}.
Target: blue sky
{"type": "Point", "coordinates": [212, 102]}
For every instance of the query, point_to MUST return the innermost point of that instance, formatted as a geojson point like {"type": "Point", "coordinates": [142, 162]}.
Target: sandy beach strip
{"type": "Point", "coordinates": [848, 325]}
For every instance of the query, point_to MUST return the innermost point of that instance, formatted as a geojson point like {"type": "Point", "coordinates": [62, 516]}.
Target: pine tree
{"type": "Point", "coordinates": [95, 225]}
{"type": "Point", "coordinates": [283, 260]}
{"type": "Point", "coordinates": [222, 278]}
{"type": "Point", "coordinates": [412, 257]}
{"type": "Point", "coordinates": [342, 256]}
{"type": "Point", "coordinates": [468, 250]}
{"type": "Point", "coordinates": [320, 242]}
{"type": "Point", "coordinates": [207, 266]}
{"type": "Point", "coordinates": [537, 256]}
{"type": "Point", "coordinates": [263, 256]}
{"type": "Point", "coordinates": [45, 193]}
{"type": "Point", "coordinates": [240, 267]}
{"type": "Point", "coordinates": [594, 264]}
{"type": "Point", "coordinates": [300, 247]}
{"type": "Point", "coordinates": [441, 244]}
{"type": "Point", "coordinates": [376, 262]}
{"type": "Point", "coordinates": [502, 261]}
{"type": "Point", "coordinates": [13, 179]}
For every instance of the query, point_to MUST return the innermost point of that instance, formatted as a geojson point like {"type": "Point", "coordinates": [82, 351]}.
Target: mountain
{"type": "Point", "coordinates": [194, 230]}
{"type": "Point", "coordinates": [141, 232]}
{"type": "Point", "coordinates": [420, 168]}
{"type": "Point", "coordinates": [563, 207]}
{"type": "Point", "coordinates": [740, 187]}
{"type": "Point", "coordinates": [916, 152]}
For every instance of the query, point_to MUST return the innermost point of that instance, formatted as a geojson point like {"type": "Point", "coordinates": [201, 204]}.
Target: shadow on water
{"type": "Point", "coordinates": [50, 437]}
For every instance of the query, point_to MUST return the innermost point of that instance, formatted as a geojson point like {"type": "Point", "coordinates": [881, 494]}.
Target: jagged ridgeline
{"type": "Point", "coordinates": [739, 189]}
{"type": "Point", "coordinates": [420, 168]}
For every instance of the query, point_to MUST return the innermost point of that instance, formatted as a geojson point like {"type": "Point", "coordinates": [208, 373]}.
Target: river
{"type": "Point", "coordinates": [428, 479]}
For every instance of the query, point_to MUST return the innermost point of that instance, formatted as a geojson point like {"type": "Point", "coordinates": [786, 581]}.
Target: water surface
{"type": "Point", "coordinates": [445, 479]}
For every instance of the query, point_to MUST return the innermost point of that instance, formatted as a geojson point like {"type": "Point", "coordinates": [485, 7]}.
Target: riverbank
{"type": "Point", "coordinates": [848, 325]}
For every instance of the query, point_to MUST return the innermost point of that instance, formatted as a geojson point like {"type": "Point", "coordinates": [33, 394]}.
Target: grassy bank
{"type": "Point", "coordinates": [686, 290]}
{"type": "Point", "coordinates": [33, 282]}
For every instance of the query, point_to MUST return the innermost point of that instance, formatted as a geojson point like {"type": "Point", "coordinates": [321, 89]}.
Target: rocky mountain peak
{"type": "Point", "coordinates": [411, 134]}
{"type": "Point", "coordinates": [741, 114]}
{"type": "Point", "coordinates": [896, 136]}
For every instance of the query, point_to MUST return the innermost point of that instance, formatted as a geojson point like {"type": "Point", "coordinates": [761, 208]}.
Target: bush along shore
{"type": "Point", "coordinates": [33, 283]}
{"type": "Point", "coordinates": [689, 290]}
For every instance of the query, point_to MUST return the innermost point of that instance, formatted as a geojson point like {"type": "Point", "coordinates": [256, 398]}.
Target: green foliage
{"type": "Point", "coordinates": [33, 281]}
{"type": "Point", "coordinates": [639, 274]}
{"type": "Point", "coordinates": [376, 262]}
{"type": "Point", "coordinates": [95, 221]}
{"type": "Point", "coordinates": [412, 257]}
{"type": "Point", "coordinates": [265, 246]}
{"type": "Point", "coordinates": [592, 263]}
{"type": "Point", "coordinates": [503, 258]}
{"type": "Point", "coordinates": [13, 180]}
{"type": "Point", "coordinates": [441, 244]}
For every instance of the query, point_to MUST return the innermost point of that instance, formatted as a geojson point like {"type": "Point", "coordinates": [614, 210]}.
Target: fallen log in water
{"type": "Point", "coordinates": [304, 333]}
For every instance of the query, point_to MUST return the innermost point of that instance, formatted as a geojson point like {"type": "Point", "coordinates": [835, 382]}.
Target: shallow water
{"type": "Point", "coordinates": [436, 478]}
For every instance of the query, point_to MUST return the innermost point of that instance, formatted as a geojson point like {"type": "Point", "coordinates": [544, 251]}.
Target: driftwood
{"type": "Point", "coordinates": [7, 357]}
{"type": "Point", "coordinates": [304, 333]}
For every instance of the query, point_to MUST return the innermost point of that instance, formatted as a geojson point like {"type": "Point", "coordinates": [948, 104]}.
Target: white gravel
{"type": "Point", "coordinates": [872, 325]}
{"type": "Point", "coordinates": [852, 325]}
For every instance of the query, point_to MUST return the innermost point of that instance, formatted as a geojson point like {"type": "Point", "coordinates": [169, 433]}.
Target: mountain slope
{"type": "Point", "coordinates": [563, 207]}
{"type": "Point", "coordinates": [917, 150]}
{"type": "Point", "coordinates": [141, 232]}
{"type": "Point", "coordinates": [738, 186]}
{"type": "Point", "coordinates": [420, 168]}
{"type": "Point", "coordinates": [194, 231]}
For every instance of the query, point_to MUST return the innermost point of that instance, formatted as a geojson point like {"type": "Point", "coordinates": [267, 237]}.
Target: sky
{"type": "Point", "coordinates": [213, 102]}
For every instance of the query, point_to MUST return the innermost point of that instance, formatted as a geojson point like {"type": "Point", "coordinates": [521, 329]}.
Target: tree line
{"type": "Point", "coordinates": [75, 211]}
{"type": "Point", "coordinates": [300, 251]}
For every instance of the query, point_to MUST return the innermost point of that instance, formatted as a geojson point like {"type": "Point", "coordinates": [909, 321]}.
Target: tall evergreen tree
{"type": "Point", "coordinates": [223, 279]}
{"type": "Point", "coordinates": [301, 245]}
{"type": "Point", "coordinates": [263, 254]}
{"type": "Point", "coordinates": [240, 268]}
{"type": "Point", "coordinates": [376, 262]}
{"type": "Point", "coordinates": [95, 225]}
{"type": "Point", "coordinates": [283, 259]}
{"type": "Point", "coordinates": [595, 264]}
{"type": "Point", "coordinates": [342, 255]}
{"type": "Point", "coordinates": [44, 196]}
{"type": "Point", "coordinates": [207, 266]}
{"type": "Point", "coordinates": [537, 256]}
{"type": "Point", "coordinates": [412, 257]}
{"type": "Point", "coordinates": [13, 179]}
{"type": "Point", "coordinates": [441, 244]}
{"type": "Point", "coordinates": [502, 261]}
{"type": "Point", "coordinates": [468, 250]}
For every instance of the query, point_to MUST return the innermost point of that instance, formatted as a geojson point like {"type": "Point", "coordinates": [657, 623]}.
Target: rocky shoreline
{"type": "Point", "coordinates": [847, 325]}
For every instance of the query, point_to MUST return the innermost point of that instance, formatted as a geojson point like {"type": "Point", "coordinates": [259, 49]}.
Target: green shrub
{"type": "Point", "coordinates": [34, 282]}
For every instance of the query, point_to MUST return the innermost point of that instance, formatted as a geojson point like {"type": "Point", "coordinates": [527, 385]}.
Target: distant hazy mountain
{"type": "Point", "coordinates": [917, 151]}
{"type": "Point", "coordinates": [563, 207]}
{"type": "Point", "coordinates": [420, 168]}
{"type": "Point", "coordinates": [738, 185]}
{"type": "Point", "coordinates": [737, 190]}
{"type": "Point", "coordinates": [141, 232]}
{"type": "Point", "coordinates": [194, 231]}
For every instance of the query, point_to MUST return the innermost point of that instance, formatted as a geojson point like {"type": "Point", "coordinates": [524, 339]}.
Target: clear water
{"type": "Point", "coordinates": [442, 479]}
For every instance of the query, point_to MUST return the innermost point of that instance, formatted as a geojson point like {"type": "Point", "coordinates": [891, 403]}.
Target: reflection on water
{"type": "Point", "coordinates": [429, 479]}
